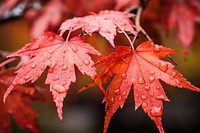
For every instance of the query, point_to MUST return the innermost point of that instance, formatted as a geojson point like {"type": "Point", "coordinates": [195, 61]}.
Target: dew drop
{"type": "Point", "coordinates": [59, 89]}
{"type": "Point", "coordinates": [119, 98]}
{"type": "Point", "coordinates": [55, 78]}
{"type": "Point", "coordinates": [173, 75]}
{"type": "Point", "coordinates": [37, 74]}
{"type": "Point", "coordinates": [65, 67]}
{"type": "Point", "coordinates": [141, 80]}
{"type": "Point", "coordinates": [178, 81]}
{"type": "Point", "coordinates": [156, 111]}
{"type": "Point", "coordinates": [15, 83]}
{"type": "Point", "coordinates": [75, 49]}
{"type": "Point", "coordinates": [156, 48]}
{"type": "Point", "coordinates": [42, 67]}
{"type": "Point", "coordinates": [147, 88]}
{"type": "Point", "coordinates": [53, 65]}
{"type": "Point", "coordinates": [125, 61]}
{"type": "Point", "coordinates": [160, 97]}
{"type": "Point", "coordinates": [113, 110]}
{"type": "Point", "coordinates": [50, 51]}
{"type": "Point", "coordinates": [27, 77]}
{"type": "Point", "coordinates": [112, 99]}
{"type": "Point", "coordinates": [117, 91]}
{"type": "Point", "coordinates": [123, 75]}
{"type": "Point", "coordinates": [123, 93]}
{"type": "Point", "coordinates": [163, 66]}
{"type": "Point", "coordinates": [59, 100]}
{"type": "Point", "coordinates": [51, 38]}
{"type": "Point", "coordinates": [125, 81]}
{"type": "Point", "coordinates": [68, 76]}
{"type": "Point", "coordinates": [144, 105]}
{"type": "Point", "coordinates": [64, 83]}
{"type": "Point", "coordinates": [86, 62]}
{"type": "Point", "coordinates": [81, 64]}
{"type": "Point", "coordinates": [151, 79]}
{"type": "Point", "coordinates": [158, 87]}
{"type": "Point", "coordinates": [151, 94]}
{"type": "Point", "coordinates": [143, 97]}
{"type": "Point", "coordinates": [152, 72]}
{"type": "Point", "coordinates": [33, 66]}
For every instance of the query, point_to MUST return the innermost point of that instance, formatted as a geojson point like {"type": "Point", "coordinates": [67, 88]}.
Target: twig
{"type": "Point", "coordinates": [6, 62]}
{"type": "Point", "coordinates": [126, 36]}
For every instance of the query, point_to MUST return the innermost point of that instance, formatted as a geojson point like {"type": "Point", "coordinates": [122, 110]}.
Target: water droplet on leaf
{"type": "Point", "coordinates": [119, 98]}
{"type": "Point", "coordinates": [147, 88]}
{"type": "Point", "coordinates": [178, 81]}
{"type": "Point", "coordinates": [33, 66]}
{"type": "Point", "coordinates": [59, 89]}
{"type": "Point", "coordinates": [42, 67]}
{"type": "Point", "coordinates": [141, 80]}
{"type": "Point", "coordinates": [50, 51]}
{"type": "Point", "coordinates": [151, 79]}
{"type": "Point", "coordinates": [112, 99]}
{"type": "Point", "coordinates": [156, 111]}
{"type": "Point", "coordinates": [152, 72]}
{"type": "Point", "coordinates": [143, 97]}
{"type": "Point", "coordinates": [124, 93]}
{"type": "Point", "coordinates": [173, 75]}
{"type": "Point", "coordinates": [163, 66]}
{"type": "Point", "coordinates": [86, 62]}
{"type": "Point", "coordinates": [75, 49]}
{"type": "Point", "coordinates": [123, 75]}
{"type": "Point", "coordinates": [65, 67]}
{"type": "Point", "coordinates": [27, 77]}
{"type": "Point", "coordinates": [117, 91]}
{"type": "Point", "coordinates": [144, 105]}
{"type": "Point", "coordinates": [81, 64]}
{"type": "Point", "coordinates": [55, 78]}
{"type": "Point", "coordinates": [160, 97]}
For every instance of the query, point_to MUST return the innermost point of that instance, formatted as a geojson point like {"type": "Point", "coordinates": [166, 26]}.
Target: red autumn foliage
{"type": "Point", "coordinates": [142, 68]}
{"type": "Point", "coordinates": [60, 57]}
{"type": "Point", "coordinates": [60, 53]}
{"type": "Point", "coordinates": [17, 106]}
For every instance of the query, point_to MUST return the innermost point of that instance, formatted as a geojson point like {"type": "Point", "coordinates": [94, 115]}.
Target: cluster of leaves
{"type": "Point", "coordinates": [17, 106]}
{"type": "Point", "coordinates": [124, 69]}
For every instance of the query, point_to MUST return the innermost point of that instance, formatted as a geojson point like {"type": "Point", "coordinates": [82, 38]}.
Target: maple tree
{"type": "Point", "coordinates": [140, 69]}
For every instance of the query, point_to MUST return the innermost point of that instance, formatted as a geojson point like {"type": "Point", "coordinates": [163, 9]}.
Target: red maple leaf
{"type": "Point", "coordinates": [51, 16]}
{"type": "Point", "coordinates": [17, 106]}
{"type": "Point", "coordinates": [105, 23]}
{"type": "Point", "coordinates": [183, 14]}
{"type": "Point", "coordinates": [60, 57]}
{"type": "Point", "coordinates": [142, 68]}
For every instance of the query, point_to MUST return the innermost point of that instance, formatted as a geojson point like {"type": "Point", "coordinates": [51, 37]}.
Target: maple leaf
{"type": "Point", "coordinates": [17, 106]}
{"type": "Point", "coordinates": [183, 14]}
{"type": "Point", "coordinates": [60, 57]}
{"type": "Point", "coordinates": [105, 23]}
{"type": "Point", "coordinates": [142, 68]}
{"type": "Point", "coordinates": [52, 14]}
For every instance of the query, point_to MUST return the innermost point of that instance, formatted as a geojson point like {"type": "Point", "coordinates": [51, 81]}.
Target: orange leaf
{"type": "Point", "coordinates": [142, 68]}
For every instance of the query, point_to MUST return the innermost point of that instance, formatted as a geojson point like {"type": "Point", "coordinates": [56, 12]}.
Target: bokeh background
{"type": "Point", "coordinates": [84, 112]}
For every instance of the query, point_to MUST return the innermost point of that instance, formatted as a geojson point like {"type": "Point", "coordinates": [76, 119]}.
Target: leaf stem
{"type": "Point", "coordinates": [137, 23]}
{"type": "Point", "coordinates": [6, 62]}
{"type": "Point", "coordinates": [126, 36]}
{"type": "Point", "coordinates": [68, 35]}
